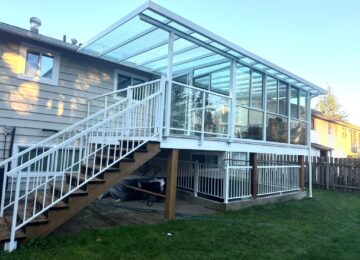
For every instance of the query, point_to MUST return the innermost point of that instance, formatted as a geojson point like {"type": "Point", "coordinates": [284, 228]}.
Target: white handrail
{"type": "Point", "coordinates": [125, 89]}
{"type": "Point", "coordinates": [77, 150]}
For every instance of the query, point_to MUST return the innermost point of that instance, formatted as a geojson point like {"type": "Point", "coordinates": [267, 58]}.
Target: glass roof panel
{"type": "Point", "coordinates": [234, 53]}
{"type": "Point", "coordinates": [161, 51]}
{"type": "Point", "coordinates": [219, 46]}
{"type": "Point", "coordinates": [133, 47]}
{"type": "Point", "coordinates": [197, 63]}
{"type": "Point", "coordinates": [155, 15]}
{"type": "Point", "coordinates": [133, 43]}
{"type": "Point", "coordinates": [191, 54]}
{"type": "Point", "coordinates": [247, 60]}
{"type": "Point", "coordinates": [211, 68]}
{"type": "Point", "coordinates": [122, 33]}
{"type": "Point", "coordinates": [179, 27]}
{"type": "Point", "coordinates": [260, 66]}
{"type": "Point", "coordinates": [200, 37]}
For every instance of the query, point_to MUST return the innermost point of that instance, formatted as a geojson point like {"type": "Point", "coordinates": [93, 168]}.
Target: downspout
{"type": "Point", "coordinates": [309, 143]}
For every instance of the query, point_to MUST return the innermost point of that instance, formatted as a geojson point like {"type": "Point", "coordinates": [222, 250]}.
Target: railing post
{"type": "Point", "coordinates": [128, 113]}
{"type": "Point", "coordinates": [3, 190]}
{"type": "Point", "coordinates": [254, 175]}
{"type": "Point", "coordinates": [202, 118]}
{"type": "Point", "coordinates": [161, 112]}
{"type": "Point", "coordinates": [232, 105]}
{"type": "Point", "coordinates": [169, 86]}
{"type": "Point", "coordinates": [196, 178]}
{"type": "Point", "coordinates": [226, 185]}
{"type": "Point", "coordinates": [301, 173]}
{"type": "Point", "coordinates": [12, 242]}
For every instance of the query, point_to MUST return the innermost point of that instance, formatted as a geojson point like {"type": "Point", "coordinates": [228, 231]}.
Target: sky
{"type": "Point", "coordinates": [317, 40]}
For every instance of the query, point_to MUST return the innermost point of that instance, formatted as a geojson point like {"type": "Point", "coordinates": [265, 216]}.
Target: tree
{"type": "Point", "coordinates": [329, 105]}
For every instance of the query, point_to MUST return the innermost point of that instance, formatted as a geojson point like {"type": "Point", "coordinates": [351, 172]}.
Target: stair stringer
{"type": "Point", "coordinates": [77, 203]}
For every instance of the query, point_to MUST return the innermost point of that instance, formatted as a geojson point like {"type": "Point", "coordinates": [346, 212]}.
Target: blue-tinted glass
{"type": "Point", "coordinates": [283, 99]}
{"type": "Point", "coordinates": [200, 37]}
{"type": "Point", "coordinates": [294, 103]}
{"type": "Point", "coordinates": [202, 82]}
{"type": "Point", "coordinates": [235, 53]}
{"type": "Point", "coordinates": [243, 85]}
{"type": "Point", "coordinates": [197, 63]}
{"type": "Point", "coordinates": [191, 54]}
{"type": "Point", "coordinates": [179, 27]}
{"type": "Point", "coordinates": [302, 99]}
{"type": "Point", "coordinates": [138, 45]}
{"type": "Point", "coordinates": [122, 33]}
{"type": "Point", "coordinates": [160, 51]}
{"type": "Point", "coordinates": [209, 69]}
{"type": "Point", "coordinates": [219, 46]}
{"type": "Point", "coordinates": [220, 81]}
{"type": "Point", "coordinates": [247, 60]}
{"type": "Point", "coordinates": [272, 95]}
{"type": "Point", "coordinates": [257, 81]}
{"type": "Point", "coordinates": [155, 16]}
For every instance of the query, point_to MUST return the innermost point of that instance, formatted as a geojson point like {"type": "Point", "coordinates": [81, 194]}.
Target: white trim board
{"type": "Point", "coordinates": [215, 145]}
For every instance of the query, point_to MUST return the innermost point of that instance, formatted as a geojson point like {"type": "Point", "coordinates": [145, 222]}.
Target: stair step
{"type": "Point", "coordinates": [78, 192]}
{"type": "Point", "coordinates": [82, 178]}
{"type": "Point", "coordinates": [97, 167]}
{"type": "Point", "coordinates": [41, 219]}
{"type": "Point", "coordinates": [48, 199]}
{"type": "Point", "coordinates": [5, 226]}
{"type": "Point", "coordinates": [111, 158]}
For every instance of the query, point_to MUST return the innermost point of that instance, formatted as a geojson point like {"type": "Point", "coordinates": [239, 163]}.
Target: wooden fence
{"type": "Point", "coordinates": [336, 173]}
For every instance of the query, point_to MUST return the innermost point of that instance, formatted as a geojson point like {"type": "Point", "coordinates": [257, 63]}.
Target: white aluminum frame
{"type": "Point", "coordinates": [215, 38]}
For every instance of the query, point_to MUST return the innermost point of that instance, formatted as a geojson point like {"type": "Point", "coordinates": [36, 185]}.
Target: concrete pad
{"type": "Point", "coordinates": [107, 212]}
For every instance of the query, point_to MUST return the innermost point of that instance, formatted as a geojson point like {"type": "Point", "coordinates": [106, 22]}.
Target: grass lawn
{"type": "Point", "coordinates": [327, 226]}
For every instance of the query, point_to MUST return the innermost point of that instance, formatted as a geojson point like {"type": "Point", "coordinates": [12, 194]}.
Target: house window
{"type": "Point", "coordinates": [312, 124]}
{"type": "Point", "coordinates": [124, 80]}
{"type": "Point", "coordinates": [344, 132]}
{"type": "Point", "coordinates": [39, 64]}
{"type": "Point", "coordinates": [329, 129]}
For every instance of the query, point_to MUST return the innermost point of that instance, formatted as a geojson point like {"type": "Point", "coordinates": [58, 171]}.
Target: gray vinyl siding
{"type": "Point", "coordinates": [32, 106]}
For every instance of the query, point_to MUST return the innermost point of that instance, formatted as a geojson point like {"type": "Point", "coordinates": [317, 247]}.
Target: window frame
{"type": "Point", "coordinates": [126, 74]}
{"type": "Point", "coordinates": [25, 48]}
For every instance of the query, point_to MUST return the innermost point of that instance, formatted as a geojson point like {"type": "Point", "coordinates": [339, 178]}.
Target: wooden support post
{"type": "Point", "coordinates": [254, 175]}
{"type": "Point", "coordinates": [302, 173]}
{"type": "Point", "coordinates": [327, 170]}
{"type": "Point", "coordinates": [171, 177]}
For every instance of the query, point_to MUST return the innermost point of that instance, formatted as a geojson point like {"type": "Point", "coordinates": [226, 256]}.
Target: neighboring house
{"type": "Point", "coordinates": [333, 137]}
{"type": "Point", "coordinates": [239, 124]}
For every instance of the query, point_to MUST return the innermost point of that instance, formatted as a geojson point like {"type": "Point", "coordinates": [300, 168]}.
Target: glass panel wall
{"type": "Point", "coordinates": [298, 123]}
{"type": "Point", "coordinates": [215, 78]}
{"type": "Point", "coordinates": [249, 114]}
{"type": "Point", "coordinates": [272, 95]}
{"type": "Point", "coordinates": [277, 111]}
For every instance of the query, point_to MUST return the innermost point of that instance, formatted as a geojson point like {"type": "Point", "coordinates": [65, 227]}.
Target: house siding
{"type": "Point", "coordinates": [336, 135]}
{"type": "Point", "coordinates": [33, 106]}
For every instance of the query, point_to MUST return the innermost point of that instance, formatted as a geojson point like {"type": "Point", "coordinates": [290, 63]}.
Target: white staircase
{"type": "Point", "coordinates": [46, 174]}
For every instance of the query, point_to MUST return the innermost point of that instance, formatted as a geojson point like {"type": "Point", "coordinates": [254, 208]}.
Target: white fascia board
{"type": "Point", "coordinates": [172, 16]}
{"type": "Point", "coordinates": [221, 145]}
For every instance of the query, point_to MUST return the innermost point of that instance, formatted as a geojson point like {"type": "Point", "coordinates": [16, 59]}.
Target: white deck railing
{"type": "Point", "coordinates": [70, 158]}
{"type": "Point", "coordinates": [239, 182]}
{"type": "Point", "coordinates": [278, 178]}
